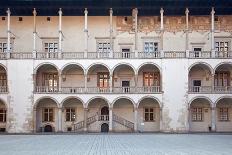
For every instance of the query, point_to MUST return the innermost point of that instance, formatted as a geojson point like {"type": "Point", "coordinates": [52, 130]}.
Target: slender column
{"type": "Point", "coordinates": [86, 33]}
{"type": "Point", "coordinates": [187, 32]}
{"type": "Point", "coordinates": [110, 119]}
{"type": "Point", "coordinates": [212, 33]}
{"type": "Point", "coordinates": [34, 33]}
{"type": "Point", "coordinates": [59, 119]}
{"type": "Point", "coordinates": [135, 119]}
{"type": "Point", "coordinates": [85, 119]}
{"type": "Point", "coordinates": [111, 83]}
{"type": "Point", "coordinates": [213, 117]}
{"type": "Point", "coordinates": [60, 32]}
{"type": "Point", "coordinates": [135, 16]}
{"type": "Point", "coordinates": [86, 82]}
{"type": "Point", "coordinates": [8, 32]}
{"type": "Point", "coordinates": [60, 80]}
{"type": "Point", "coordinates": [189, 119]}
{"type": "Point", "coordinates": [34, 120]}
{"type": "Point", "coordinates": [111, 32]}
{"type": "Point", "coordinates": [161, 30]}
{"type": "Point", "coordinates": [136, 81]}
{"type": "Point", "coordinates": [161, 118]}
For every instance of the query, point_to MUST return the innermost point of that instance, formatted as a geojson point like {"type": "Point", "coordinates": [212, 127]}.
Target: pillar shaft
{"type": "Point", "coordinates": [187, 30]}
{"type": "Point", "coordinates": [86, 33]}
{"type": "Point", "coordinates": [110, 119]}
{"type": "Point", "coordinates": [60, 32]}
{"type": "Point", "coordinates": [212, 32]}
{"type": "Point", "coordinates": [213, 119]}
{"type": "Point", "coordinates": [135, 16]}
{"type": "Point", "coordinates": [135, 119]}
{"type": "Point", "coordinates": [8, 30]}
{"type": "Point", "coordinates": [111, 32]}
{"type": "Point", "coordinates": [59, 119]}
{"type": "Point", "coordinates": [85, 119]}
{"type": "Point", "coordinates": [161, 28]}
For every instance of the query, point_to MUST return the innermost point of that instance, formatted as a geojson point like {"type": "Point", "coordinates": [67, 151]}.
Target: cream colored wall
{"type": "Point", "coordinates": [198, 73]}
{"type": "Point", "coordinates": [74, 78]}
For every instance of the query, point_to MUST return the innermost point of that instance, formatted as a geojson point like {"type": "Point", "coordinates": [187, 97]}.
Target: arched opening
{"type": "Point", "coordinates": [105, 127]}
{"type": "Point", "coordinates": [149, 115]}
{"type": "Point", "coordinates": [200, 115]}
{"type": "Point", "coordinates": [200, 78]}
{"type": "Point", "coordinates": [48, 128]}
{"type": "Point", "coordinates": [73, 80]}
{"type": "Point", "coordinates": [3, 116]}
{"type": "Point", "coordinates": [98, 79]}
{"type": "Point", "coordinates": [98, 112]}
{"type": "Point", "coordinates": [123, 115]}
{"type": "Point", "coordinates": [224, 115]}
{"type": "Point", "coordinates": [73, 113]}
{"type": "Point", "coordinates": [47, 79]}
{"type": "Point", "coordinates": [149, 79]}
{"type": "Point", "coordinates": [124, 79]}
{"type": "Point", "coordinates": [3, 80]}
{"type": "Point", "coordinates": [46, 114]}
{"type": "Point", "coordinates": [223, 78]}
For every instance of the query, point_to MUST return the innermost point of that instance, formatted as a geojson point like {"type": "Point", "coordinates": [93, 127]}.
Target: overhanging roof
{"type": "Point", "coordinates": [120, 7]}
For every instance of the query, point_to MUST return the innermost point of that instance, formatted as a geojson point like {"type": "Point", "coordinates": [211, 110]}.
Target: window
{"type": "Point", "coordinates": [3, 80]}
{"type": "Point", "coordinates": [197, 52]}
{"type": "Point", "coordinates": [70, 114]}
{"type": "Point", "coordinates": [2, 115]}
{"type": "Point", "coordinates": [51, 81]}
{"type": "Point", "coordinates": [150, 47]}
{"type": "Point", "coordinates": [3, 46]}
{"type": "Point", "coordinates": [103, 47]}
{"type": "Point", "coordinates": [149, 114]}
{"type": "Point", "coordinates": [48, 115]}
{"type": "Point", "coordinates": [224, 114]}
{"type": "Point", "coordinates": [51, 47]}
{"type": "Point", "coordinates": [151, 79]}
{"type": "Point", "coordinates": [197, 114]}
{"type": "Point", "coordinates": [222, 46]}
{"type": "Point", "coordinates": [222, 78]}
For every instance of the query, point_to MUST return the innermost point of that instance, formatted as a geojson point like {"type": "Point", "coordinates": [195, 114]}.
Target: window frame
{"type": "Point", "coordinates": [68, 111]}
{"type": "Point", "coordinates": [197, 114]}
{"type": "Point", "coordinates": [3, 113]}
{"type": "Point", "coordinates": [50, 111]}
{"type": "Point", "coordinates": [223, 114]}
{"type": "Point", "coordinates": [149, 114]}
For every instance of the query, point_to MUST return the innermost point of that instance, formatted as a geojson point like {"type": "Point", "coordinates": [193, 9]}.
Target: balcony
{"type": "Point", "coordinates": [200, 54]}
{"type": "Point", "coordinates": [149, 55]}
{"type": "Point", "coordinates": [174, 54]}
{"type": "Point", "coordinates": [223, 54]}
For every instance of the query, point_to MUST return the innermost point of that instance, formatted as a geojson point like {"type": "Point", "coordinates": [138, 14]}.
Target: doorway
{"type": "Point", "coordinates": [48, 128]}
{"type": "Point", "coordinates": [126, 86]}
{"type": "Point", "coordinates": [105, 127]}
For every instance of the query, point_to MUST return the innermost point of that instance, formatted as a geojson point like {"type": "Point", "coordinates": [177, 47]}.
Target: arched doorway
{"type": "Point", "coordinates": [105, 127]}
{"type": "Point", "coordinates": [47, 128]}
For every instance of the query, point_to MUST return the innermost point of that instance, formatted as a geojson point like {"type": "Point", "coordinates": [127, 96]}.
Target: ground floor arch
{"type": "Point", "coordinates": [3, 116]}
{"type": "Point", "coordinates": [149, 115]}
{"type": "Point", "coordinates": [200, 115]}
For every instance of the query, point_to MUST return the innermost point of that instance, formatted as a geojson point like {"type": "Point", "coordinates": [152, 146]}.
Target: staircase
{"type": "Point", "coordinates": [123, 122]}
{"type": "Point", "coordinates": [80, 125]}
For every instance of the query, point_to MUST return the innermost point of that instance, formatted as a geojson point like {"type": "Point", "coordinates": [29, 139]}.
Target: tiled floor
{"type": "Point", "coordinates": [116, 144]}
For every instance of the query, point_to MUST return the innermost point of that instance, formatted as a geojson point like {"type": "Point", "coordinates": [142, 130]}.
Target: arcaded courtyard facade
{"type": "Point", "coordinates": [76, 69]}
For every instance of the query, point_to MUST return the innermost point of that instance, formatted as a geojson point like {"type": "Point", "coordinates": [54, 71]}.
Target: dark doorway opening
{"type": "Point", "coordinates": [48, 128]}
{"type": "Point", "coordinates": [104, 127]}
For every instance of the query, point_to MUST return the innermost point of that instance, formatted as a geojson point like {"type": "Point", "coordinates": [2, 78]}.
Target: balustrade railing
{"type": "Point", "coordinates": [123, 121]}
{"type": "Point", "coordinates": [21, 55]}
{"type": "Point", "coordinates": [148, 89]}
{"type": "Point", "coordinates": [124, 55]}
{"type": "Point", "coordinates": [47, 55]}
{"type": "Point", "coordinates": [3, 55]}
{"type": "Point", "coordinates": [46, 89]}
{"type": "Point", "coordinates": [147, 55]}
{"type": "Point", "coordinates": [94, 55]}
{"type": "Point", "coordinates": [223, 89]}
{"type": "Point", "coordinates": [98, 90]}
{"type": "Point", "coordinates": [103, 118]}
{"type": "Point", "coordinates": [72, 55]}
{"type": "Point", "coordinates": [72, 90]}
{"type": "Point", "coordinates": [124, 90]}
{"type": "Point", "coordinates": [200, 54]}
{"type": "Point", "coordinates": [223, 54]}
{"type": "Point", "coordinates": [174, 54]}
{"type": "Point", "coordinates": [200, 89]}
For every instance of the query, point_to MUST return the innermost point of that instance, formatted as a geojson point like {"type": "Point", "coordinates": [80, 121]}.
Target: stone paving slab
{"type": "Point", "coordinates": [116, 144]}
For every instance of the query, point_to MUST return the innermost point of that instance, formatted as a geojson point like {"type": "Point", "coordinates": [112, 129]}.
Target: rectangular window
{"type": "Point", "coordinates": [103, 80]}
{"type": "Point", "coordinates": [149, 114]}
{"type": "Point", "coordinates": [3, 46]}
{"type": "Point", "coordinates": [197, 52]}
{"type": "Point", "coordinates": [103, 47]}
{"type": "Point", "coordinates": [224, 114]}
{"type": "Point", "coordinates": [51, 47]}
{"type": "Point", "coordinates": [51, 81]}
{"type": "Point", "coordinates": [3, 80]}
{"type": "Point", "coordinates": [2, 115]}
{"type": "Point", "coordinates": [48, 115]}
{"type": "Point", "coordinates": [222, 46]}
{"type": "Point", "coordinates": [70, 114]}
{"type": "Point", "coordinates": [197, 114]}
{"type": "Point", "coordinates": [151, 79]}
{"type": "Point", "coordinates": [222, 78]}
{"type": "Point", "coordinates": [150, 47]}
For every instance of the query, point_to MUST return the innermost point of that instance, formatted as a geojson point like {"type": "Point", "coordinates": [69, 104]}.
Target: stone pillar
{"type": "Point", "coordinates": [135, 119]}
{"type": "Point", "coordinates": [8, 33]}
{"type": "Point", "coordinates": [60, 80]}
{"type": "Point", "coordinates": [135, 16]}
{"type": "Point", "coordinates": [34, 119]}
{"type": "Point", "coordinates": [110, 119]}
{"type": "Point", "coordinates": [111, 32]}
{"type": "Point", "coordinates": [136, 81]}
{"type": "Point", "coordinates": [111, 83]}
{"type": "Point", "coordinates": [86, 83]}
{"type": "Point", "coordinates": [212, 33]}
{"type": "Point", "coordinates": [187, 32]}
{"type": "Point", "coordinates": [60, 33]}
{"type": "Point", "coordinates": [161, 31]}
{"type": "Point", "coordinates": [86, 33]}
{"type": "Point", "coordinates": [59, 119]}
{"type": "Point", "coordinates": [85, 119]}
{"type": "Point", "coordinates": [161, 118]}
{"type": "Point", "coordinates": [188, 121]}
{"type": "Point", "coordinates": [213, 117]}
{"type": "Point", "coordinates": [34, 33]}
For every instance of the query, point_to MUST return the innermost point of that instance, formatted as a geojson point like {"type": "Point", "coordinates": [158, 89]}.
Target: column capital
{"type": "Point", "coordinates": [135, 11]}
{"type": "Point", "coordinates": [86, 11]}
{"type": "Point", "coordinates": [34, 12]}
{"type": "Point", "coordinates": [186, 11]}
{"type": "Point", "coordinates": [212, 11]}
{"type": "Point", "coordinates": [60, 11]}
{"type": "Point", "coordinates": [8, 11]}
{"type": "Point", "coordinates": [111, 11]}
{"type": "Point", "coordinates": [161, 11]}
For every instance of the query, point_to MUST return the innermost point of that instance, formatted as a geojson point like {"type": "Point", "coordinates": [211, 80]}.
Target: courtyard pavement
{"type": "Point", "coordinates": [116, 144]}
